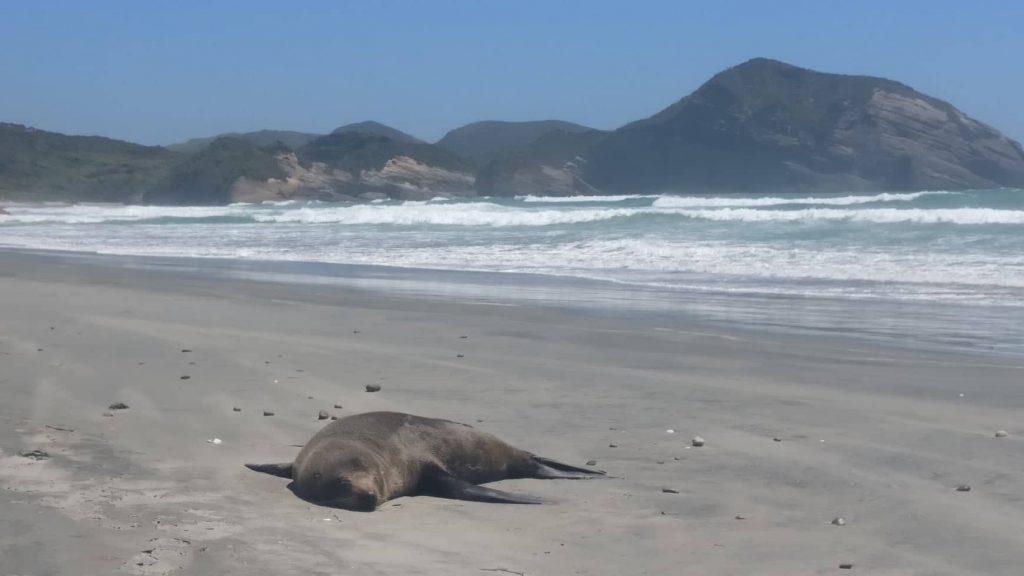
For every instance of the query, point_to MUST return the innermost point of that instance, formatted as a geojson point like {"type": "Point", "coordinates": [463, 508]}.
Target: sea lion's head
{"type": "Point", "coordinates": [349, 480]}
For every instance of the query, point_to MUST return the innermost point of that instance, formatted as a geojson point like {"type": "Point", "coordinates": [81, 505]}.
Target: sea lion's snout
{"type": "Point", "coordinates": [358, 493]}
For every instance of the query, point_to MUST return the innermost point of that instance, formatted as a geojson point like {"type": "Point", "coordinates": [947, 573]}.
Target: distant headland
{"type": "Point", "coordinates": [760, 126]}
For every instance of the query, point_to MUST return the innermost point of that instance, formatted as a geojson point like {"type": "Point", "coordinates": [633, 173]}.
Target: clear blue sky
{"type": "Point", "coordinates": [159, 71]}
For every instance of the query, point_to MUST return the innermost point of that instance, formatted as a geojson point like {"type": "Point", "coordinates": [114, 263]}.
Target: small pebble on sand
{"type": "Point", "coordinates": [839, 521]}
{"type": "Point", "coordinates": [323, 415]}
{"type": "Point", "coordinates": [464, 337]}
{"type": "Point", "coordinates": [739, 517]}
{"type": "Point", "coordinates": [591, 462]}
{"type": "Point", "coordinates": [185, 377]}
{"type": "Point", "coordinates": [118, 406]}
{"type": "Point", "coordinates": [963, 488]}
{"type": "Point", "coordinates": [334, 417]}
{"type": "Point", "coordinates": [460, 355]}
{"type": "Point", "coordinates": [1001, 434]}
{"type": "Point", "coordinates": [186, 350]}
{"type": "Point", "coordinates": [776, 439]}
{"type": "Point", "coordinates": [268, 413]}
{"type": "Point", "coordinates": [613, 445]}
{"type": "Point", "coordinates": [373, 387]}
{"type": "Point", "coordinates": [237, 409]}
{"type": "Point", "coordinates": [846, 566]}
{"type": "Point", "coordinates": [670, 491]}
{"type": "Point", "coordinates": [338, 406]}
{"type": "Point", "coordinates": [698, 441]}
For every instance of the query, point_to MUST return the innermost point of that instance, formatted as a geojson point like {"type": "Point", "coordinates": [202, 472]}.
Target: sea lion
{"type": "Point", "coordinates": [364, 460]}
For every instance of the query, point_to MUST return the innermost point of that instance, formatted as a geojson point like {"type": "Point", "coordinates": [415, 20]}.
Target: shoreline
{"type": "Point", "coordinates": [820, 316]}
{"type": "Point", "coordinates": [877, 435]}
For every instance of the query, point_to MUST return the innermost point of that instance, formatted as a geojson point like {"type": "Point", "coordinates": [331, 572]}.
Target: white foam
{"type": "Point", "coordinates": [964, 216]}
{"type": "Point", "coordinates": [574, 199]}
{"type": "Point", "coordinates": [724, 201]}
{"type": "Point", "coordinates": [463, 214]}
{"type": "Point", "coordinates": [98, 213]}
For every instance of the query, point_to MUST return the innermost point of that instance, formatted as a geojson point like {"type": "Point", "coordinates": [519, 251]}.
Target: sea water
{"type": "Point", "coordinates": [934, 266]}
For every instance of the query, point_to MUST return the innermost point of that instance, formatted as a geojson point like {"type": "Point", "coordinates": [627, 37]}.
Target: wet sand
{"type": "Point", "coordinates": [878, 436]}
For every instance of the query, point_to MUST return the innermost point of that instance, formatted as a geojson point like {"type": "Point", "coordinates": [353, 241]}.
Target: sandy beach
{"type": "Point", "coordinates": [799, 430]}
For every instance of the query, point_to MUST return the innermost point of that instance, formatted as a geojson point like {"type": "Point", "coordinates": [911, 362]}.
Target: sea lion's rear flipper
{"type": "Point", "coordinates": [283, 470]}
{"type": "Point", "coordinates": [551, 469]}
{"type": "Point", "coordinates": [447, 486]}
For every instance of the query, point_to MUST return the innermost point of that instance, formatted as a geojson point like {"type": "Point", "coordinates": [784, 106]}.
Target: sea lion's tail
{"type": "Point", "coordinates": [548, 468]}
{"type": "Point", "coordinates": [282, 470]}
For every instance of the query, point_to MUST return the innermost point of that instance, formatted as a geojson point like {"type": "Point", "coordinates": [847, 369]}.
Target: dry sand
{"type": "Point", "coordinates": [879, 437]}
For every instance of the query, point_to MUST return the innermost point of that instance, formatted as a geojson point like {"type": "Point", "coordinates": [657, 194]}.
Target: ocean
{"type": "Point", "coordinates": [932, 268]}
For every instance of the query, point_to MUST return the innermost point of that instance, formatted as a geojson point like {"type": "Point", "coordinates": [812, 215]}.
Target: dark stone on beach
{"type": "Point", "coordinates": [460, 355]}
{"type": "Point", "coordinates": [185, 377]}
{"type": "Point", "coordinates": [839, 521]}
{"type": "Point", "coordinates": [322, 415]}
{"type": "Point", "coordinates": [34, 454]}
{"type": "Point", "coordinates": [776, 439]}
{"type": "Point", "coordinates": [299, 370]}
{"type": "Point", "coordinates": [309, 397]}
{"type": "Point", "coordinates": [191, 363]}
{"type": "Point", "coordinates": [963, 488]}
{"type": "Point", "coordinates": [613, 445]}
{"type": "Point", "coordinates": [355, 331]}
{"type": "Point", "coordinates": [670, 491]}
{"type": "Point", "coordinates": [186, 350]}
{"type": "Point", "coordinates": [464, 337]}
{"type": "Point", "coordinates": [39, 349]}
{"type": "Point", "coordinates": [739, 517]}
{"type": "Point", "coordinates": [237, 409]}
{"type": "Point", "coordinates": [118, 406]}
{"type": "Point", "coordinates": [334, 417]}
{"type": "Point", "coordinates": [338, 406]}
{"type": "Point", "coordinates": [266, 361]}
{"type": "Point", "coordinates": [846, 566]}
{"type": "Point", "coordinates": [591, 462]}
{"type": "Point", "coordinates": [268, 413]}
{"type": "Point", "coordinates": [373, 387]}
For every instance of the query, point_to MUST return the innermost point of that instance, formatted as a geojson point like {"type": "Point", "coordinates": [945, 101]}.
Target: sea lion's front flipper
{"type": "Point", "coordinates": [447, 486]}
{"type": "Point", "coordinates": [548, 468]}
{"type": "Point", "coordinates": [283, 470]}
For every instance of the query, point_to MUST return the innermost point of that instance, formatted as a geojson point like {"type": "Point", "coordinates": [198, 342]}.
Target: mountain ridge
{"type": "Point", "coordinates": [760, 126]}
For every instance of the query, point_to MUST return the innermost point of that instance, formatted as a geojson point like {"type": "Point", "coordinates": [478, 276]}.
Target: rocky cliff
{"type": "Point", "coordinates": [766, 125]}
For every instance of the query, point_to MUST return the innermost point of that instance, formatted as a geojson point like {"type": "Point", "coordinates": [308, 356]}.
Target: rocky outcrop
{"type": "Point", "coordinates": [765, 125]}
{"type": "Point", "coordinates": [401, 177]}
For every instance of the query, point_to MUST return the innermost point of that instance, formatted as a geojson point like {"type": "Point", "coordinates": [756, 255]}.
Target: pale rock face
{"type": "Point", "coordinates": [414, 179]}
{"type": "Point", "coordinates": [318, 182]}
{"type": "Point", "coordinates": [401, 176]}
{"type": "Point", "coordinates": [944, 147]}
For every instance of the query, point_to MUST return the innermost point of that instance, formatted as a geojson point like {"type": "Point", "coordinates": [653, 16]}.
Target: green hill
{"type": "Point", "coordinates": [40, 165]}
{"type": "Point", "coordinates": [766, 125]}
{"type": "Point", "coordinates": [356, 151]}
{"type": "Point", "coordinates": [289, 138]}
{"type": "Point", "coordinates": [207, 178]}
{"type": "Point", "coordinates": [482, 142]}
{"type": "Point", "coordinates": [377, 129]}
